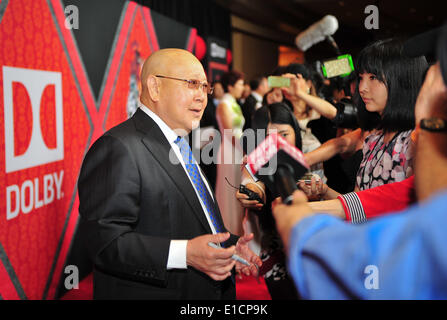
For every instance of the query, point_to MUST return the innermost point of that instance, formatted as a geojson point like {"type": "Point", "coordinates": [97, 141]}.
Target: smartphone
{"type": "Point", "coordinates": [278, 82]}
{"type": "Point", "coordinates": [307, 178]}
{"type": "Point", "coordinates": [340, 66]}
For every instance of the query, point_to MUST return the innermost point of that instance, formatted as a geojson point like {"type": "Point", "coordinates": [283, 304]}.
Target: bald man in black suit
{"type": "Point", "coordinates": [147, 214]}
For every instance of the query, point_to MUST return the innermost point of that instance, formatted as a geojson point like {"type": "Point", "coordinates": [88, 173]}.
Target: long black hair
{"type": "Point", "coordinates": [278, 113]}
{"type": "Point", "coordinates": [402, 76]}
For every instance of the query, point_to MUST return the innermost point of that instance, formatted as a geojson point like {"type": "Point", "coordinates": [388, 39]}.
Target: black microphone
{"type": "Point", "coordinates": [279, 165]}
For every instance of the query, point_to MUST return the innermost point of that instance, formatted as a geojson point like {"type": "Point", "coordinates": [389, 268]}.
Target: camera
{"type": "Point", "coordinates": [340, 66]}
{"type": "Point", "coordinates": [346, 114]}
{"type": "Point", "coordinates": [339, 71]}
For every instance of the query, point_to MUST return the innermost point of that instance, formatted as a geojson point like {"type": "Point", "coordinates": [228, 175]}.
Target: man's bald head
{"type": "Point", "coordinates": [178, 104]}
{"type": "Point", "coordinates": [165, 62]}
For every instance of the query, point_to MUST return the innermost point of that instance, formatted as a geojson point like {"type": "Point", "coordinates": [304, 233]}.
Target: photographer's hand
{"type": "Point", "coordinates": [431, 153]}
{"type": "Point", "coordinates": [432, 97]}
{"type": "Point", "coordinates": [286, 216]}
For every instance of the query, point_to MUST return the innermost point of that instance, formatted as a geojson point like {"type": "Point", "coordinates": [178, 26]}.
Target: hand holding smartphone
{"type": "Point", "coordinates": [278, 82]}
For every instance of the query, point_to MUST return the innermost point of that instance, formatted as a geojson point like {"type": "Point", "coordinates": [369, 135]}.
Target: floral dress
{"type": "Point", "coordinates": [385, 163]}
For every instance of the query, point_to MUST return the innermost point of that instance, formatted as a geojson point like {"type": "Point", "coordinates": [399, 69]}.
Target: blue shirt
{"type": "Point", "coordinates": [404, 255]}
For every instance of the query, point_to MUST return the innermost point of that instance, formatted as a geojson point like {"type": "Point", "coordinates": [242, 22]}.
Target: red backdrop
{"type": "Point", "coordinates": [49, 117]}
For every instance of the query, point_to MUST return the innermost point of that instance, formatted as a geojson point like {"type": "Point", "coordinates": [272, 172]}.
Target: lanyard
{"type": "Point", "coordinates": [375, 154]}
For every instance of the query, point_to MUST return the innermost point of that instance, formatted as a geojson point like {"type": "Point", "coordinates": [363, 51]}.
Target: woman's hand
{"type": "Point", "coordinates": [314, 191]}
{"type": "Point", "coordinates": [250, 204]}
{"type": "Point", "coordinates": [298, 87]}
{"type": "Point", "coordinates": [275, 96]}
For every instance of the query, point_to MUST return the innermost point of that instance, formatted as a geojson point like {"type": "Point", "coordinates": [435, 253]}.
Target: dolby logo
{"type": "Point", "coordinates": [38, 95]}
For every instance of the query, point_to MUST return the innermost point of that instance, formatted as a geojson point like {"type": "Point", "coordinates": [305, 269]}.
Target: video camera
{"type": "Point", "coordinates": [339, 71]}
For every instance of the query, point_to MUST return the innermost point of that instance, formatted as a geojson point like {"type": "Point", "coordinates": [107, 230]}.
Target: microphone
{"type": "Point", "coordinates": [318, 32]}
{"type": "Point", "coordinates": [279, 165]}
{"type": "Point", "coordinates": [332, 42]}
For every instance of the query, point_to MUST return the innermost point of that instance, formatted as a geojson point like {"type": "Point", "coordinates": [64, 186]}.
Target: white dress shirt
{"type": "Point", "coordinates": [258, 98]}
{"type": "Point", "coordinates": [177, 248]}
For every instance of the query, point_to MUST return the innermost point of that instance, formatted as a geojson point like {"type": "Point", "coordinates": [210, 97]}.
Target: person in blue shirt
{"type": "Point", "coordinates": [401, 256]}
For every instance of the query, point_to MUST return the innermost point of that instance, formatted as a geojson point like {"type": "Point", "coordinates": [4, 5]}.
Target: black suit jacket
{"type": "Point", "coordinates": [248, 110]}
{"type": "Point", "coordinates": [133, 201]}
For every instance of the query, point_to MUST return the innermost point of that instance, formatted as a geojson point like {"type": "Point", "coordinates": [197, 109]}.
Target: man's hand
{"type": "Point", "coordinates": [431, 153]}
{"type": "Point", "coordinates": [244, 251]}
{"type": "Point", "coordinates": [216, 263]}
{"type": "Point", "coordinates": [432, 98]}
{"type": "Point", "coordinates": [286, 216]}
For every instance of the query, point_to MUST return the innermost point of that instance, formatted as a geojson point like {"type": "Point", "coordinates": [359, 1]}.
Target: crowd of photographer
{"type": "Point", "coordinates": [375, 142]}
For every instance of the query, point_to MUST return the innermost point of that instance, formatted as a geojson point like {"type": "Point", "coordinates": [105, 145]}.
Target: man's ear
{"type": "Point", "coordinates": [153, 88]}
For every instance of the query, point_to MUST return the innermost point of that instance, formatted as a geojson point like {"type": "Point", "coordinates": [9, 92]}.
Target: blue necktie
{"type": "Point", "coordinates": [193, 172]}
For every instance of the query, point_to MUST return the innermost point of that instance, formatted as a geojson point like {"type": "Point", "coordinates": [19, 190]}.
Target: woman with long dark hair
{"type": "Point", "coordinates": [387, 87]}
{"type": "Point", "coordinates": [303, 111]}
{"type": "Point", "coordinates": [279, 118]}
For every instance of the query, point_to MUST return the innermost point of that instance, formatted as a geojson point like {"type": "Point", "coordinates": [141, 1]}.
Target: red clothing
{"type": "Point", "coordinates": [363, 205]}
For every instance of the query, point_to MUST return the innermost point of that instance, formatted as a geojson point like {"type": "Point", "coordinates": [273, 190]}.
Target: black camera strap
{"type": "Point", "coordinates": [375, 155]}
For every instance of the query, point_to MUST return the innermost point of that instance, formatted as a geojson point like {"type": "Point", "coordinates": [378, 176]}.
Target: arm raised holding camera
{"type": "Point", "coordinates": [299, 91]}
